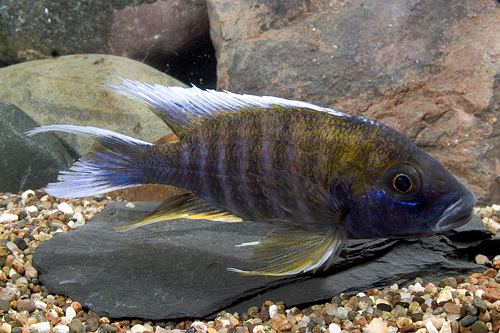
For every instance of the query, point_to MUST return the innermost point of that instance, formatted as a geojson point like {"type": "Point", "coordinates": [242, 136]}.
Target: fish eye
{"type": "Point", "coordinates": [402, 180]}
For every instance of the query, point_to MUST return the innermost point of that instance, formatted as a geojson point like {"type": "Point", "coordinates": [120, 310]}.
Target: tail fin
{"type": "Point", "coordinates": [115, 161]}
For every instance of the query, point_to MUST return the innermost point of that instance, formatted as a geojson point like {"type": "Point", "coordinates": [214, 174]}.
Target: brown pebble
{"type": "Point", "coordinates": [61, 300]}
{"type": "Point", "coordinates": [491, 273]}
{"type": "Point", "coordinates": [281, 323]}
{"type": "Point", "coordinates": [26, 305]}
{"type": "Point", "coordinates": [55, 321]}
{"type": "Point", "coordinates": [355, 331]}
{"type": "Point", "coordinates": [18, 265]}
{"type": "Point", "coordinates": [451, 308]}
{"type": "Point", "coordinates": [359, 321]}
{"type": "Point", "coordinates": [408, 328]}
{"type": "Point", "coordinates": [76, 306]}
{"type": "Point", "coordinates": [484, 316]}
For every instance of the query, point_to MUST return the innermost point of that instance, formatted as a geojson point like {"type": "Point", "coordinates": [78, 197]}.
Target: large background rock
{"type": "Point", "coordinates": [178, 268]}
{"type": "Point", "coordinates": [428, 68]}
{"type": "Point", "coordinates": [27, 162]}
{"type": "Point", "coordinates": [68, 90]}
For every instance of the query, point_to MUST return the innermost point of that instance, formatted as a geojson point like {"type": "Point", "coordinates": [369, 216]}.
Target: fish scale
{"type": "Point", "coordinates": [317, 175]}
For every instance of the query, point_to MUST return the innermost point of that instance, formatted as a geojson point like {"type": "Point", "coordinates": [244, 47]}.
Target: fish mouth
{"type": "Point", "coordinates": [458, 214]}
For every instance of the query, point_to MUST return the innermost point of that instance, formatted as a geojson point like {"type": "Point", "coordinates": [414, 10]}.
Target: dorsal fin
{"type": "Point", "coordinates": [184, 109]}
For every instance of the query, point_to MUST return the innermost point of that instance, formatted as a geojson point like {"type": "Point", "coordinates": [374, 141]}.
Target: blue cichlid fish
{"type": "Point", "coordinates": [321, 175]}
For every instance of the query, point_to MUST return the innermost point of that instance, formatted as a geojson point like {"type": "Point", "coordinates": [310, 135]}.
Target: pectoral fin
{"type": "Point", "coordinates": [186, 206]}
{"type": "Point", "coordinates": [294, 251]}
{"type": "Point", "coordinates": [316, 216]}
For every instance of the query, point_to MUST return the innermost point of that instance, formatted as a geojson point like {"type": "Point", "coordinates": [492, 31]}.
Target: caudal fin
{"type": "Point", "coordinates": [115, 161]}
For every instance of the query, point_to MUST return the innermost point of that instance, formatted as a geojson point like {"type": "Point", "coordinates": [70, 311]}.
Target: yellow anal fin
{"type": "Point", "coordinates": [295, 251]}
{"type": "Point", "coordinates": [186, 206]}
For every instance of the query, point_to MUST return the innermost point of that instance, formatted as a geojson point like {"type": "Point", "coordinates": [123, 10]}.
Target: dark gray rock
{"type": "Point", "coordinates": [178, 268]}
{"type": "Point", "coordinates": [27, 162]}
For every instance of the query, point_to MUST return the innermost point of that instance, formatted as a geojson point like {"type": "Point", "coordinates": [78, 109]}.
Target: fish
{"type": "Point", "coordinates": [318, 176]}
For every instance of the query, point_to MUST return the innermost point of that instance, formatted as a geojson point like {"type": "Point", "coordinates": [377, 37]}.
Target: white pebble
{"type": "Point", "coordinates": [479, 293]}
{"type": "Point", "coordinates": [31, 209]}
{"type": "Point", "coordinates": [137, 328]}
{"type": "Point", "coordinates": [40, 305]}
{"type": "Point", "coordinates": [334, 328]}
{"type": "Point", "coordinates": [446, 328]}
{"type": "Point", "coordinates": [11, 246]}
{"type": "Point", "coordinates": [41, 327]}
{"type": "Point", "coordinates": [61, 329]}
{"type": "Point", "coordinates": [392, 329]}
{"type": "Point", "coordinates": [431, 328]}
{"type": "Point", "coordinates": [70, 312]}
{"type": "Point", "coordinates": [65, 208]}
{"type": "Point", "coordinates": [8, 217]}
{"type": "Point", "coordinates": [273, 311]}
{"type": "Point", "coordinates": [130, 205]}
{"type": "Point", "coordinates": [496, 207]}
{"type": "Point", "coordinates": [418, 287]}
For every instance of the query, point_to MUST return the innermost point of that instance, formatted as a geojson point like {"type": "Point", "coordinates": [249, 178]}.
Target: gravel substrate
{"type": "Point", "coordinates": [456, 304]}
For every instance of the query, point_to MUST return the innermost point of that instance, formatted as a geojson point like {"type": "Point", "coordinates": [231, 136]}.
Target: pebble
{"type": "Point", "coordinates": [479, 327]}
{"type": "Point", "coordinates": [61, 329]}
{"type": "Point", "coordinates": [468, 320]}
{"type": "Point", "coordinates": [43, 327]}
{"type": "Point", "coordinates": [420, 307]}
{"type": "Point", "coordinates": [26, 305]}
{"type": "Point", "coordinates": [6, 217]}
{"type": "Point", "coordinates": [65, 208]}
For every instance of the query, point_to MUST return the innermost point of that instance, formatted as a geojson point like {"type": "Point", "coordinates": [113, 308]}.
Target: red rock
{"type": "Point", "coordinates": [440, 92]}
{"type": "Point", "coordinates": [76, 306]}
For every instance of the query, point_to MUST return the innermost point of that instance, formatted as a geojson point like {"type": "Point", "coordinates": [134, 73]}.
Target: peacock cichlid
{"type": "Point", "coordinates": [319, 175]}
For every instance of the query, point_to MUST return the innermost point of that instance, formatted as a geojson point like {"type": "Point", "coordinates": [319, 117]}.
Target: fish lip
{"type": "Point", "coordinates": [458, 214]}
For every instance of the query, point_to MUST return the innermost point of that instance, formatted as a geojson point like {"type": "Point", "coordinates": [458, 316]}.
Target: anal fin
{"type": "Point", "coordinates": [186, 206]}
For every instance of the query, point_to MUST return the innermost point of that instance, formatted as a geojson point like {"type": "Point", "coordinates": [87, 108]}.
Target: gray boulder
{"type": "Point", "coordinates": [178, 268]}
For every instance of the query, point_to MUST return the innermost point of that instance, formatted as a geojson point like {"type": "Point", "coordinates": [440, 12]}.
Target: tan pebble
{"type": "Point", "coordinates": [444, 296]}
{"type": "Point", "coordinates": [377, 325]}
{"type": "Point", "coordinates": [281, 323]}
{"type": "Point", "coordinates": [211, 330]}
{"type": "Point", "coordinates": [104, 320]}
{"type": "Point", "coordinates": [5, 328]}
{"type": "Point", "coordinates": [481, 259]}
{"type": "Point", "coordinates": [452, 308]}
{"type": "Point", "coordinates": [491, 273]}
{"type": "Point", "coordinates": [403, 321]}
{"type": "Point", "coordinates": [30, 272]}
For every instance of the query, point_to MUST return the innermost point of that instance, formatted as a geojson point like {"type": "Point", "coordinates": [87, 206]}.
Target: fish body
{"type": "Point", "coordinates": [320, 175]}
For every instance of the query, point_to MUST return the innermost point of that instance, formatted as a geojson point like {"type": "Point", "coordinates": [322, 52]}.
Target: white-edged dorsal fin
{"type": "Point", "coordinates": [184, 109]}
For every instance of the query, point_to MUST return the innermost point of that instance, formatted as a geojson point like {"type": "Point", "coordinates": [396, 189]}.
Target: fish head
{"type": "Point", "coordinates": [411, 195]}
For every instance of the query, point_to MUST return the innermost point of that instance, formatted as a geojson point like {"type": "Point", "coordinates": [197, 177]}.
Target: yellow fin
{"type": "Point", "coordinates": [295, 251]}
{"type": "Point", "coordinates": [186, 206]}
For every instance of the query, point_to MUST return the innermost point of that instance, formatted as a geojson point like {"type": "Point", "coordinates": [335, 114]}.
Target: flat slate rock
{"type": "Point", "coordinates": [178, 268]}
